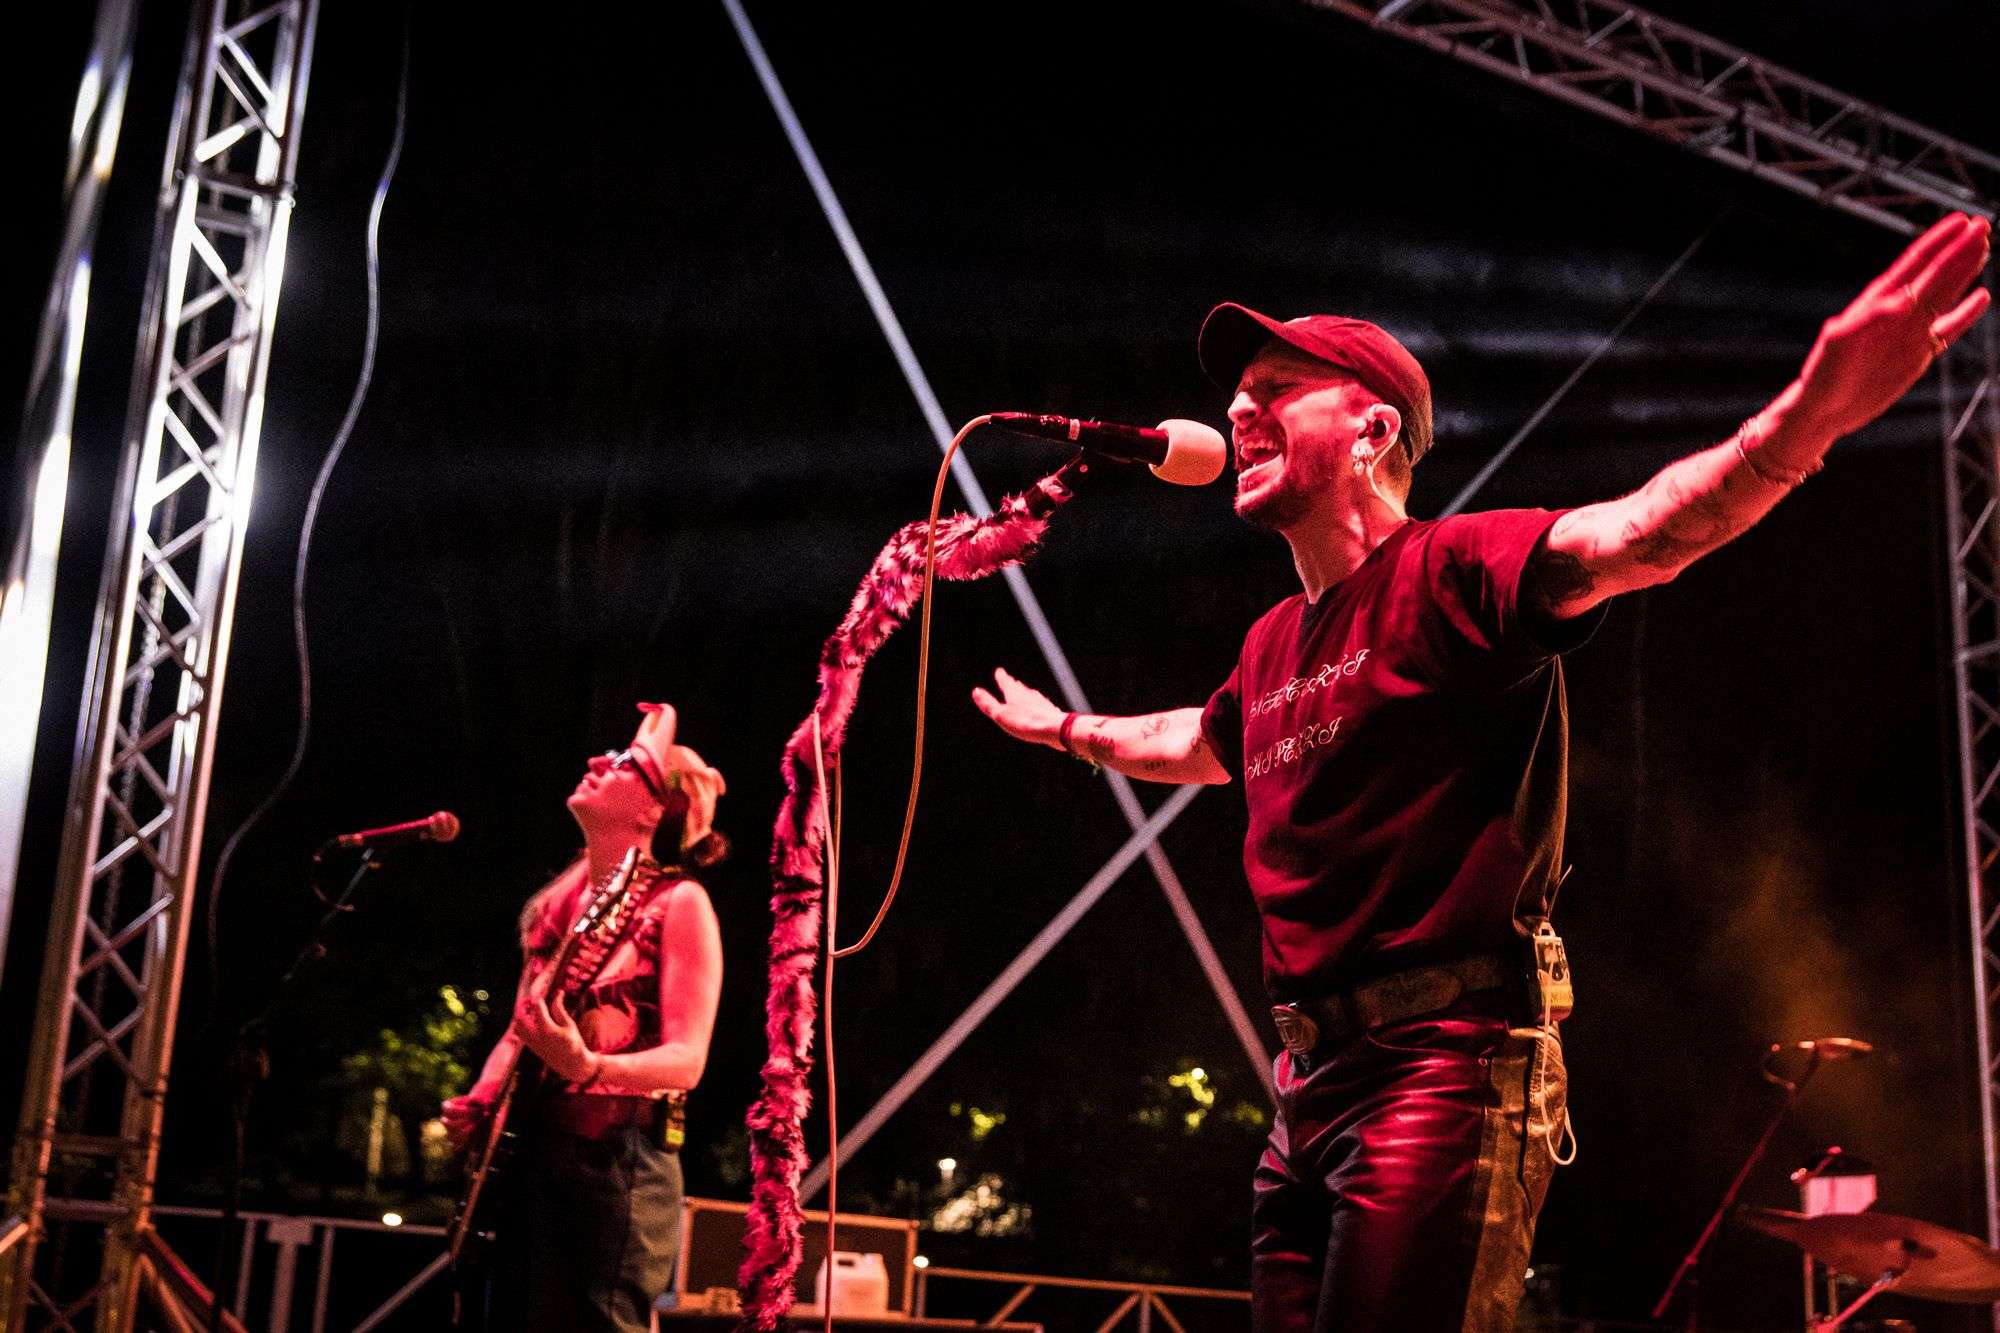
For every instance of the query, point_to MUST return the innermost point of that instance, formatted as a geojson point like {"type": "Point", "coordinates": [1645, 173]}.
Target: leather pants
{"type": "Point", "coordinates": [1403, 1174]}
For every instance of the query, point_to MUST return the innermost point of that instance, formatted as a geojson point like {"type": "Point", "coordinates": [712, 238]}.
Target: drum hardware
{"type": "Point", "coordinates": [1890, 1253]}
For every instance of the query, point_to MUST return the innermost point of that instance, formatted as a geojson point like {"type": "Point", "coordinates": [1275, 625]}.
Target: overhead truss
{"type": "Point", "coordinates": [88, 1140]}
{"type": "Point", "coordinates": [1674, 83]}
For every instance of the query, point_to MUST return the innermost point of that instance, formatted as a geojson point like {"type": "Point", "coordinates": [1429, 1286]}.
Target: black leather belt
{"type": "Point", "coordinates": [1307, 1024]}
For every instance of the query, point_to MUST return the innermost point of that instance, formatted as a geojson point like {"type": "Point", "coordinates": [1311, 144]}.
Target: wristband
{"type": "Point", "coordinates": [1786, 479]}
{"type": "Point", "coordinates": [1062, 734]}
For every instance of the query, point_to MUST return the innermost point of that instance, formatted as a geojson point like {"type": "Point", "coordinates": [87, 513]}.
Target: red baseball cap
{"type": "Point", "coordinates": [1232, 335]}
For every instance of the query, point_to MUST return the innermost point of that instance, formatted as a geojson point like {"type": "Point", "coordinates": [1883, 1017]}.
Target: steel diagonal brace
{"type": "Point", "coordinates": [1017, 582]}
{"type": "Point", "coordinates": [1002, 986]}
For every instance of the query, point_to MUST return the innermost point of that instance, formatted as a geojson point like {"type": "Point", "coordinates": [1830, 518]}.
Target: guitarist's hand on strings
{"type": "Point", "coordinates": [547, 1029]}
{"type": "Point", "coordinates": [462, 1115]}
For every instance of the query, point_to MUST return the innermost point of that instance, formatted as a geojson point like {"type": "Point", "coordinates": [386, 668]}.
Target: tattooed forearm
{"type": "Point", "coordinates": [1679, 521]}
{"type": "Point", "coordinates": [1100, 747]}
{"type": "Point", "coordinates": [1693, 507]}
{"type": "Point", "coordinates": [1162, 747]}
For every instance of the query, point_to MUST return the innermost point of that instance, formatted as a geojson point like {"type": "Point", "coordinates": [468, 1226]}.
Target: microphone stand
{"type": "Point", "coordinates": [250, 1064]}
{"type": "Point", "coordinates": [1690, 1266]}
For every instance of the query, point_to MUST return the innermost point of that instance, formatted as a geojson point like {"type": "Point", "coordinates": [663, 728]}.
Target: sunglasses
{"type": "Point", "coordinates": [640, 765]}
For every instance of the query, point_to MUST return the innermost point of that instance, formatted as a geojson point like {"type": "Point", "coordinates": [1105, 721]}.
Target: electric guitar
{"type": "Point", "coordinates": [589, 942]}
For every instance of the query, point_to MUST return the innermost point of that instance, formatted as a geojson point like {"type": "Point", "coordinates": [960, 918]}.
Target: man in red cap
{"type": "Point", "coordinates": [1400, 730]}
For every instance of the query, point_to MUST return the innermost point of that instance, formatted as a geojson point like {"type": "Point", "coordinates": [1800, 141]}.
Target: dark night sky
{"type": "Point", "coordinates": [635, 434]}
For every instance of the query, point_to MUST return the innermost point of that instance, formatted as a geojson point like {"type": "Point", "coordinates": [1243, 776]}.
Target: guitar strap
{"type": "Point", "coordinates": [595, 950]}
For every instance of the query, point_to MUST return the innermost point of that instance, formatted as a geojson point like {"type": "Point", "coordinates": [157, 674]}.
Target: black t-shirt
{"type": "Point", "coordinates": [1403, 749]}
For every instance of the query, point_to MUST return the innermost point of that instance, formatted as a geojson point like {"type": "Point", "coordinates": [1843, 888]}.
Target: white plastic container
{"type": "Point", "coordinates": [860, 1284]}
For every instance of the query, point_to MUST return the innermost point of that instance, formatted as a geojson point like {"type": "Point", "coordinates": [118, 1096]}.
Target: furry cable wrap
{"type": "Point", "coordinates": [967, 548]}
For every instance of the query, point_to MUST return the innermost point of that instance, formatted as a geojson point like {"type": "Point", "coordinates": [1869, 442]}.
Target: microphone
{"type": "Point", "coordinates": [1818, 1051]}
{"type": "Point", "coordinates": [1827, 1049]}
{"type": "Point", "coordinates": [440, 827]}
{"type": "Point", "coordinates": [1186, 453]}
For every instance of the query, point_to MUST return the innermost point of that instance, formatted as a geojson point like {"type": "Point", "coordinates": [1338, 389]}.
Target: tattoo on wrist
{"type": "Point", "coordinates": [1156, 725]}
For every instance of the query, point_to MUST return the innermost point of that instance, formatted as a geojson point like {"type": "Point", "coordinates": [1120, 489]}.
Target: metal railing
{"type": "Point", "coordinates": [284, 1241]}
{"type": "Point", "coordinates": [1140, 1301]}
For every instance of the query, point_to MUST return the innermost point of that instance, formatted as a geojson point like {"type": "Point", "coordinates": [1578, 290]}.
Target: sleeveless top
{"type": "Point", "coordinates": [619, 1010]}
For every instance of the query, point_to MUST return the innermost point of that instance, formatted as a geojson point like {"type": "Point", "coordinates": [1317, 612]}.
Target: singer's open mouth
{"type": "Point", "coordinates": [1254, 449]}
{"type": "Point", "coordinates": [1255, 458]}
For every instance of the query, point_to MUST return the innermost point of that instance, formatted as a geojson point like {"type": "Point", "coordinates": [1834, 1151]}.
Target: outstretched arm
{"type": "Point", "coordinates": [1866, 358]}
{"type": "Point", "coordinates": [1159, 747]}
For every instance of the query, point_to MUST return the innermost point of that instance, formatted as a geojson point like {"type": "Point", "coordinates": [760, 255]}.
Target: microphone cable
{"type": "Point", "coordinates": [923, 691]}
{"type": "Point", "coordinates": [830, 816]}
{"type": "Point", "coordinates": [370, 338]}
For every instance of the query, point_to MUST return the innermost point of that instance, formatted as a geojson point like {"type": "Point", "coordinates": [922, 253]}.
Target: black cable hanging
{"type": "Point", "coordinates": [370, 338]}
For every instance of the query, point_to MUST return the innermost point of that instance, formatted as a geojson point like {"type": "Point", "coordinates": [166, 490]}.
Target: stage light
{"type": "Point", "coordinates": [947, 1165]}
{"type": "Point", "coordinates": [392, 1219]}
{"type": "Point", "coordinates": [921, 1261]}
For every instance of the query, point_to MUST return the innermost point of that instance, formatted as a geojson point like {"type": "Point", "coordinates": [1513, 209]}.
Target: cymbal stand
{"type": "Point", "coordinates": [1688, 1275]}
{"type": "Point", "coordinates": [1888, 1279]}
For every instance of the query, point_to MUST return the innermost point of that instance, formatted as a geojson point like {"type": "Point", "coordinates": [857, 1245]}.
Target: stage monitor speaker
{"type": "Point", "coordinates": [712, 1250]}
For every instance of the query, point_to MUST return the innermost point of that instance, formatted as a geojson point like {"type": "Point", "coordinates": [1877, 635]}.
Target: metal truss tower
{"type": "Point", "coordinates": [33, 526]}
{"type": "Point", "coordinates": [1674, 83]}
{"type": "Point", "coordinates": [88, 1141]}
{"type": "Point", "coordinates": [1970, 406]}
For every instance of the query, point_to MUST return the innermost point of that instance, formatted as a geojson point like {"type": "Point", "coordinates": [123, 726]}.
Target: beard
{"type": "Point", "coordinates": [1280, 504]}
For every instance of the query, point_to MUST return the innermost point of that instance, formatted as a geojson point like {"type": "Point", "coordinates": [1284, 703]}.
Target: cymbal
{"type": "Point", "coordinates": [1936, 1263]}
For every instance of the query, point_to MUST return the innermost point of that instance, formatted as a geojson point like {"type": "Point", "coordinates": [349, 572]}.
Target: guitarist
{"type": "Point", "coordinates": [596, 1208]}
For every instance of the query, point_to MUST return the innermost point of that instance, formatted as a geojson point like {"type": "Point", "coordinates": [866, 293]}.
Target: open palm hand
{"type": "Point", "coordinates": [1869, 354]}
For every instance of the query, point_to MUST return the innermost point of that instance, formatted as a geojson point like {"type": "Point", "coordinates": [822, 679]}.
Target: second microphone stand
{"type": "Point", "coordinates": [1689, 1271]}
{"type": "Point", "coordinates": [249, 1065]}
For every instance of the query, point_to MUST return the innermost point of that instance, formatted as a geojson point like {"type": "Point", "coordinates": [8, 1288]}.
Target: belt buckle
{"type": "Point", "coordinates": [1296, 1029]}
